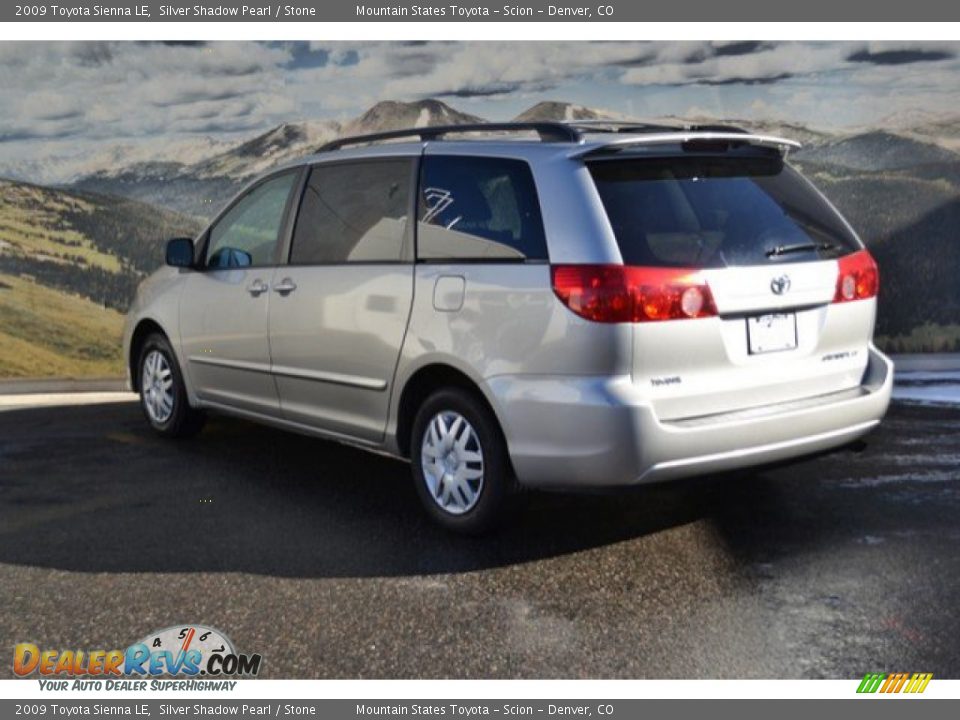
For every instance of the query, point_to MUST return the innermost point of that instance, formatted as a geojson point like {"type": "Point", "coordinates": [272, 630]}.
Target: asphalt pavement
{"type": "Point", "coordinates": [317, 556]}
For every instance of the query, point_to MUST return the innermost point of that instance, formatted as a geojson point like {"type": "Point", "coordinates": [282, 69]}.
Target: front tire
{"type": "Point", "coordinates": [460, 464]}
{"type": "Point", "coordinates": [163, 395]}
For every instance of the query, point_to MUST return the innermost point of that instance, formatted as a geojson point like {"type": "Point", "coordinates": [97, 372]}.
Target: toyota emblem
{"type": "Point", "coordinates": [779, 285]}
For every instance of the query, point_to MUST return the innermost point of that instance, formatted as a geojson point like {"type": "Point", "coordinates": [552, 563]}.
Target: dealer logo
{"type": "Point", "coordinates": [176, 651]}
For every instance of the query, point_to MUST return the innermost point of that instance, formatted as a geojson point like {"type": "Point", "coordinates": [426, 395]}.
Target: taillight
{"type": "Point", "coordinates": [857, 278]}
{"type": "Point", "coordinates": [618, 293]}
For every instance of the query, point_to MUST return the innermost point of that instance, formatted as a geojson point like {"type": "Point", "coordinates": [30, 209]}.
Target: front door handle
{"type": "Point", "coordinates": [285, 287]}
{"type": "Point", "coordinates": [257, 287]}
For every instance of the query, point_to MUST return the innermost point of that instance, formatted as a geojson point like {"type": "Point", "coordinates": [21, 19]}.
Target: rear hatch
{"type": "Point", "coordinates": [775, 321]}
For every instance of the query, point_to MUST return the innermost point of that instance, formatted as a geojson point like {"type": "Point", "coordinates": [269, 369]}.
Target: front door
{"type": "Point", "coordinates": [224, 307]}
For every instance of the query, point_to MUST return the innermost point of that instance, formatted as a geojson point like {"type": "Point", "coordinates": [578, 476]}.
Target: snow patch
{"type": "Point", "coordinates": [70, 165]}
{"type": "Point", "coordinates": [423, 120]}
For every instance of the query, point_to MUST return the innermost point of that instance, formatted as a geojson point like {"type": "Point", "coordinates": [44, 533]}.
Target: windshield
{"type": "Point", "coordinates": [709, 211]}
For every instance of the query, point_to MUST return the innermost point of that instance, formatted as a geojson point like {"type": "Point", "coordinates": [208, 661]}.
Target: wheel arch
{"type": "Point", "coordinates": [144, 329]}
{"type": "Point", "coordinates": [418, 387]}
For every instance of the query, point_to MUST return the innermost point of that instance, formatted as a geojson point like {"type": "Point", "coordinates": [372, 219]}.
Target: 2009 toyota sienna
{"type": "Point", "coordinates": [574, 305]}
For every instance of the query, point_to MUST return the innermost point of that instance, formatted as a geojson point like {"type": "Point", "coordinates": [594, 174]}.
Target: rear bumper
{"type": "Point", "coordinates": [595, 432]}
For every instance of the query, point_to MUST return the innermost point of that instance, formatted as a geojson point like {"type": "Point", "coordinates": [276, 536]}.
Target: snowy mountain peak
{"type": "Point", "coordinates": [393, 115]}
{"type": "Point", "coordinates": [552, 110]}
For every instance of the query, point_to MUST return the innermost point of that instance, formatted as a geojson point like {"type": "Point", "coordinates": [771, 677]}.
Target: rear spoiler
{"type": "Point", "coordinates": [676, 138]}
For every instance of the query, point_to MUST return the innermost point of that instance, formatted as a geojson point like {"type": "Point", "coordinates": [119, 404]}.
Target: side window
{"type": "Point", "coordinates": [247, 235]}
{"type": "Point", "coordinates": [478, 208]}
{"type": "Point", "coordinates": [353, 212]}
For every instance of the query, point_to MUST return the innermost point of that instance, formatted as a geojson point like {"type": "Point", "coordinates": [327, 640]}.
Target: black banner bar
{"type": "Point", "coordinates": [459, 709]}
{"type": "Point", "coordinates": [478, 11]}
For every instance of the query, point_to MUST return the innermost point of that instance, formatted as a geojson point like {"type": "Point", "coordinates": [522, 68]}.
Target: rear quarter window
{"type": "Point", "coordinates": [708, 211]}
{"type": "Point", "coordinates": [478, 208]}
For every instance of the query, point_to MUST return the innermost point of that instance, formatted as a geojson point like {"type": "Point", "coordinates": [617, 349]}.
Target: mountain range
{"type": "Point", "coordinates": [94, 235]}
{"type": "Point", "coordinates": [199, 188]}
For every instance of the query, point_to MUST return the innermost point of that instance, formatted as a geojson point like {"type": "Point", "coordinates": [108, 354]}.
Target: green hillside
{"type": "Point", "coordinates": [910, 221]}
{"type": "Point", "coordinates": [48, 333]}
{"type": "Point", "coordinates": [34, 221]}
{"type": "Point", "coordinates": [69, 265]}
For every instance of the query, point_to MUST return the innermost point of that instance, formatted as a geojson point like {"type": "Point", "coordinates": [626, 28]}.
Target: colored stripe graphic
{"type": "Point", "coordinates": [870, 682]}
{"type": "Point", "coordinates": [901, 679]}
{"type": "Point", "coordinates": [894, 683]}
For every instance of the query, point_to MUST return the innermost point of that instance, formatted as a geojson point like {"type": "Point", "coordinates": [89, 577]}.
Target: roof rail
{"type": "Point", "coordinates": [548, 132]}
{"type": "Point", "coordinates": [622, 126]}
{"type": "Point", "coordinates": [717, 128]}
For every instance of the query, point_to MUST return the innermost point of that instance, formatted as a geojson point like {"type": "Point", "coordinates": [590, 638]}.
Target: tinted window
{"type": "Point", "coordinates": [702, 211]}
{"type": "Point", "coordinates": [353, 212]}
{"type": "Point", "coordinates": [247, 235]}
{"type": "Point", "coordinates": [479, 209]}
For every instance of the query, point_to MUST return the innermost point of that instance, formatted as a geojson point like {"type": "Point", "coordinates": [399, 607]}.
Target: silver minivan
{"type": "Point", "coordinates": [574, 306]}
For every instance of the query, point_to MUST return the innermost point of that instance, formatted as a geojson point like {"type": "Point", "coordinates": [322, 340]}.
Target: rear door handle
{"type": "Point", "coordinates": [285, 287]}
{"type": "Point", "coordinates": [257, 287]}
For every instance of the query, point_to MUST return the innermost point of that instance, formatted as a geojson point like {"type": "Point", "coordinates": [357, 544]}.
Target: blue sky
{"type": "Point", "coordinates": [57, 96]}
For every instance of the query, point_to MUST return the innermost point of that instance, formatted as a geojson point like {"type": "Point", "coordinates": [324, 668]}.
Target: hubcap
{"type": "Point", "coordinates": [156, 387]}
{"type": "Point", "coordinates": [452, 462]}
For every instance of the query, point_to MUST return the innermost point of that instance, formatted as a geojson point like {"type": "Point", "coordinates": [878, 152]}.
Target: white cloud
{"type": "Point", "coordinates": [784, 60]}
{"type": "Point", "coordinates": [113, 92]}
{"type": "Point", "coordinates": [99, 90]}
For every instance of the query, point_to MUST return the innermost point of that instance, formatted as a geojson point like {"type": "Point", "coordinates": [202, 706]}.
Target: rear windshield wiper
{"type": "Point", "coordinates": [799, 247]}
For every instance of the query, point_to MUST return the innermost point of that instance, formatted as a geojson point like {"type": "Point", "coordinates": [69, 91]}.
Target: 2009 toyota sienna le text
{"type": "Point", "coordinates": [574, 305]}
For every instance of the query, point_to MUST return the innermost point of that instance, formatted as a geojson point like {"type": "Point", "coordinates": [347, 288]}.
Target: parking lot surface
{"type": "Point", "coordinates": [317, 556]}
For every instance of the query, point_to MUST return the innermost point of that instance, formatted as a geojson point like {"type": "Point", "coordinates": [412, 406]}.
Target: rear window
{"type": "Point", "coordinates": [706, 211]}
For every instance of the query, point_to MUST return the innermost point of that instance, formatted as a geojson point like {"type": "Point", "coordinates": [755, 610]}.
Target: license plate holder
{"type": "Point", "coordinates": [773, 332]}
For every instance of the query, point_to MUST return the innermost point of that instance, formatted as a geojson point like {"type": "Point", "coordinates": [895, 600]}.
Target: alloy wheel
{"type": "Point", "coordinates": [452, 462]}
{"type": "Point", "coordinates": [156, 385]}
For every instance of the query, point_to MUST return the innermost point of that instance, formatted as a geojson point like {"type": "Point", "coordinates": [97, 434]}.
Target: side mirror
{"type": "Point", "coordinates": [180, 252]}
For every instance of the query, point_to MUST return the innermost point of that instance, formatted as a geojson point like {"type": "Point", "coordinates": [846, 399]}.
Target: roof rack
{"type": "Point", "coordinates": [621, 126]}
{"type": "Point", "coordinates": [573, 132]}
{"type": "Point", "coordinates": [716, 129]}
{"type": "Point", "coordinates": [548, 132]}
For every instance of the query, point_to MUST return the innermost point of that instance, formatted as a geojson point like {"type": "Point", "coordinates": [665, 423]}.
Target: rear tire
{"type": "Point", "coordinates": [163, 394]}
{"type": "Point", "coordinates": [460, 464]}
